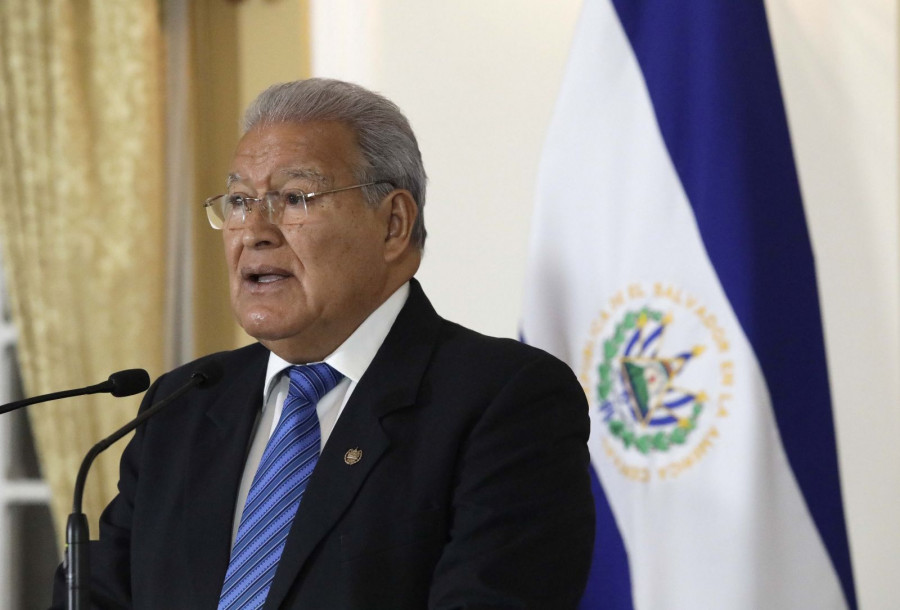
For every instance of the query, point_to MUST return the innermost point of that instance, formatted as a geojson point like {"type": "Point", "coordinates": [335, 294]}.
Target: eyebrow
{"type": "Point", "coordinates": [291, 172]}
{"type": "Point", "coordinates": [232, 178]}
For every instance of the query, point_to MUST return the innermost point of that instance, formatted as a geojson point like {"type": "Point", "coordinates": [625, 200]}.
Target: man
{"type": "Point", "coordinates": [436, 467]}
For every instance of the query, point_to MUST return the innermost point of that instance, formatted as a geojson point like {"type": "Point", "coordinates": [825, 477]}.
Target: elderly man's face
{"type": "Point", "coordinates": [302, 289]}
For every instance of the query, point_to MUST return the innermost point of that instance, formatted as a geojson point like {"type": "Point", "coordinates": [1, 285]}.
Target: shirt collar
{"type": "Point", "coordinates": [355, 354]}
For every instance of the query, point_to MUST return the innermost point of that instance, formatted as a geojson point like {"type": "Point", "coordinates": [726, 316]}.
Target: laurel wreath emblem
{"type": "Point", "coordinates": [610, 368]}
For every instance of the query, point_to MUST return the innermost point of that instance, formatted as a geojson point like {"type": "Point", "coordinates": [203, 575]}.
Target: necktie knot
{"type": "Point", "coordinates": [313, 381]}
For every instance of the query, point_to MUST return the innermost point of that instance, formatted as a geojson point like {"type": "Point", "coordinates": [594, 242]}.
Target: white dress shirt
{"type": "Point", "coordinates": [351, 358]}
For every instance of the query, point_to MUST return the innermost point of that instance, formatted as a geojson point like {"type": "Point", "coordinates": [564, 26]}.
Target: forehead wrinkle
{"type": "Point", "coordinates": [302, 173]}
{"type": "Point", "coordinates": [288, 173]}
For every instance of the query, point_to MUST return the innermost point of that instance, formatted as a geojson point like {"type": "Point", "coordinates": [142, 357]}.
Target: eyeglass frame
{"type": "Point", "coordinates": [267, 198]}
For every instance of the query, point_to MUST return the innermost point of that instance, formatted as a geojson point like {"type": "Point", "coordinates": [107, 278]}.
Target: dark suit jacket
{"type": "Point", "coordinates": [472, 490]}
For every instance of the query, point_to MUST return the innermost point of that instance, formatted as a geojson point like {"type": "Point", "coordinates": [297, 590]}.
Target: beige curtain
{"type": "Point", "coordinates": [81, 216]}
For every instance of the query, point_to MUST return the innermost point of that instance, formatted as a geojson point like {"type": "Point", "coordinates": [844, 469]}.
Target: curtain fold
{"type": "Point", "coordinates": [81, 218]}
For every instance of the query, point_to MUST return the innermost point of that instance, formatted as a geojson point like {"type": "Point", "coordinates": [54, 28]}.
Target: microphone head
{"type": "Point", "coordinates": [207, 373]}
{"type": "Point", "coordinates": [128, 382]}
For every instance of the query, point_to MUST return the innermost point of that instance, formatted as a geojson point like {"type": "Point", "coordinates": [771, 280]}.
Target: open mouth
{"type": "Point", "coordinates": [264, 276]}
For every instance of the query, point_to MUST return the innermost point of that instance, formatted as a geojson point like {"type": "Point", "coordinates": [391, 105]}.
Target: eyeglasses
{"type": "Point", "coordinates": [285, 207]}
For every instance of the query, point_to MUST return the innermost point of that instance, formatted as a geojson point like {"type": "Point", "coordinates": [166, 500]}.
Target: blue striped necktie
{"type": "Point", "coordinates": [284, 470]}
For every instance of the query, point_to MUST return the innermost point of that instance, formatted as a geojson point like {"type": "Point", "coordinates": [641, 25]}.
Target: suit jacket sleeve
{"type": "Point", "coordinates": [523, 517]}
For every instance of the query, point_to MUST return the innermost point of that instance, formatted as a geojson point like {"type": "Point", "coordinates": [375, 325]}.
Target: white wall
{"type": "Point", "coordinates": [478, 81]}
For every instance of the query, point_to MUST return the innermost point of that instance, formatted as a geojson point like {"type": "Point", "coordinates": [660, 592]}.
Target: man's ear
{"type": "Point", "coordinates": [402, 217]}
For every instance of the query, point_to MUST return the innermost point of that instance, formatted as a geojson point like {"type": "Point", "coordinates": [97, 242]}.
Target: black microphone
{"type": "Point", "coordinates": [123, 383]}
{"type": "Point", "coordinates": [78, 567]}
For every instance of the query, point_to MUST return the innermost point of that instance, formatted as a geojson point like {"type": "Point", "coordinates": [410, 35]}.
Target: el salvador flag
{"type": "Point", "coordinates": [671, 268]}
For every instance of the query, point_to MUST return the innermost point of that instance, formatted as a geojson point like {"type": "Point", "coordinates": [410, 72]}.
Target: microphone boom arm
{"type": "Point", "coordinates": [101, 446]}
{"type": "Point", "coordinates": [121, 383]}
{"type": "Point", "coordinates": [94, 389]}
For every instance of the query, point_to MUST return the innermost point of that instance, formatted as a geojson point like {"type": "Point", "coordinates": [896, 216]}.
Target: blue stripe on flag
{"type": "Point", "coordinates": [710, 72]}
{"type": "Point", "coordinates": [609, 581]}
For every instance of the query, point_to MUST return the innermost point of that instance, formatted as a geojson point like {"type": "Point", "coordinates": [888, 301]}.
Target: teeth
{"type": "Point", "coordinates": [267, 279]}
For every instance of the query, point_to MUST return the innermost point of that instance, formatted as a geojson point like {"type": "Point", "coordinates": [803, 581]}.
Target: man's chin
{"type": "Point", "coordinates": [265, 334]}
{"type": "Point", "coordinates": [287, 343]}
{"type": "Point", "coordinates": [264, 326]}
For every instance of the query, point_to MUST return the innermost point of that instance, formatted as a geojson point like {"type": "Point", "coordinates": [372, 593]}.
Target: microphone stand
{"type": "Point", "coordinates": [78, 558]}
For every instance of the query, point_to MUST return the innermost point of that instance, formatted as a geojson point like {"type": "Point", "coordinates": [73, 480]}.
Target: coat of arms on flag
{"type": "Point", "coordinates": [637, 372]}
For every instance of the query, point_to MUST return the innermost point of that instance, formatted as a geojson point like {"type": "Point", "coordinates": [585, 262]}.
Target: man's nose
{"type": "Point", "coordinates": [257, 229]}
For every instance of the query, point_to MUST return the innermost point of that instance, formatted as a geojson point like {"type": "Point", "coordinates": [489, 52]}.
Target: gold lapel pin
{"type": "Point", "coordinates": [353, 456]}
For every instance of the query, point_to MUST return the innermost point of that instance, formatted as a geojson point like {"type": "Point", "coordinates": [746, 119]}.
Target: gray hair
{"type": "Point", "coordinates": [385, 138]}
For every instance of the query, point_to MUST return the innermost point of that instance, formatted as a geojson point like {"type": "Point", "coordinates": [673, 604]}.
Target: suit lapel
{"type": "Point", "coordinates": [390, 383]}
{"type": "Point", "coordinates": [215, 467]}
